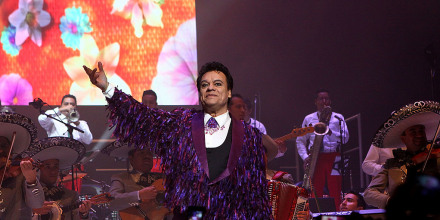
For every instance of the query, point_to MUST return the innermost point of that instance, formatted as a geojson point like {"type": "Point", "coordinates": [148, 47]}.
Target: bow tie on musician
{"type": "Point", "coordinates": [58, 154]}
{"type": "Point", "coordinates": [139, 192]}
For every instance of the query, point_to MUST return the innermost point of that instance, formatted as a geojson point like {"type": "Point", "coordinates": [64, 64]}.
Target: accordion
{"type": "Point", "coordinates": [283, 198]}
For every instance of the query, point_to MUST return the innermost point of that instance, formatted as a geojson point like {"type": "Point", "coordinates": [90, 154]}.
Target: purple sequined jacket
{"type": "Point", "coordinates": [240, 192]}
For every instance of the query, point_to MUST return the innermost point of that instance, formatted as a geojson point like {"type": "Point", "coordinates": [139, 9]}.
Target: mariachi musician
{"type": "Point", "coordinates": [20, 189]}
{"type": "Point", "coordinates": [137, 192]}
{"type": "Point", "coordinates": [55, 154]}
{"type": "Point", "coordinates": [408, 127]}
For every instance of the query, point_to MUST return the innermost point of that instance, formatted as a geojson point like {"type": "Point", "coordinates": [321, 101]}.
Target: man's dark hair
{"type": "Point", "coordinates": [235, 96]}
{"type": "Point", "coordinates": [215, 66]}
{"type": "Point", "coordinates": [319, 91]}
{"type": "Point", "coordinates": [68, 96]}
{"type": "Point", "coordinates": [360, 199]}
{"type": "Point", "coordinates": [149, 92]}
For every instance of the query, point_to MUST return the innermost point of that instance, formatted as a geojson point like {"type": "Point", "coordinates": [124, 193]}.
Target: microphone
{"type": "Point", "coordinates": [37, 103]}
{"type": "Point", "coordinates": [339, 118]}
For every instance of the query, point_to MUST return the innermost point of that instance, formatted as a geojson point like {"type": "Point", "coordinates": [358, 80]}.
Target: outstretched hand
{"type": "Point", "coordinates": [97, 78]}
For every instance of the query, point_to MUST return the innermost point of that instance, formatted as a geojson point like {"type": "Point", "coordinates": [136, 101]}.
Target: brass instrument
{"type": "Point", "coordinates": [73, 115]}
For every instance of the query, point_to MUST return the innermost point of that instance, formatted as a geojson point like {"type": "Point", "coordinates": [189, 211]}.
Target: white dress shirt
{"type": "Point", "coordinates": [57, 129]}
{"type": "Point", "coordinates": [376, 157]}
{"type": "Point", "coordinates": [257, 124]}
{"type": "Point", "coordinates": [211, 140]}
{"type": "Point", "coordinates": [218, 137]}
{"type": "Point", "coordinates": [330, 142]}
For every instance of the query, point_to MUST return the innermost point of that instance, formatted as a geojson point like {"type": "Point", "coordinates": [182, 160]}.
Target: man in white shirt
{"type": "Point", "coordinates": [57, 129]}
{"type": "Point", "coordinates": [375, 159]}
{"type": "Point", "coordinates": [329, 155]}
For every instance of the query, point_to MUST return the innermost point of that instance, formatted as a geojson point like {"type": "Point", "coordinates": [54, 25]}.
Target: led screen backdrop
{"type": "Point", "coordinates": [142, 44]}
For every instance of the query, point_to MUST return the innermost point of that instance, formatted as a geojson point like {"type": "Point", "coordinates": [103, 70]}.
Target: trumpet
{"type": "Point", "coordinates": [73, 115]}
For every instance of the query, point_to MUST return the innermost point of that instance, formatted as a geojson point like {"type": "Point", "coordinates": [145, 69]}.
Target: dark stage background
{"type": "Point", "coordinates": [369, 54]}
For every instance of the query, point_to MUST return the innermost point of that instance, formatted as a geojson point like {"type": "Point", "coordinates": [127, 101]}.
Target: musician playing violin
{"type": "Point", "coordinates": [409, 127]}
{"type": "Point", "coordinates": [20, 190]}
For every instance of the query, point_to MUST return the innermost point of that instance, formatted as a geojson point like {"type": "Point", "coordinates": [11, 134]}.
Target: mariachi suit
{"type": "Point", "coordinates": [69, 197]}
{"type": "Point", "coordinates": [125, 189]}
{"type": "Point", "coordinates": [17, 198]}
{"type": "Point", "coordinates": [239, 192]}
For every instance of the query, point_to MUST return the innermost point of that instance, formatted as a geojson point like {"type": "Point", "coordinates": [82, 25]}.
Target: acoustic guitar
{"type": "Point", "coordinates": [57, 210]}
{"type": "Point", "coordinates": [152, 209]}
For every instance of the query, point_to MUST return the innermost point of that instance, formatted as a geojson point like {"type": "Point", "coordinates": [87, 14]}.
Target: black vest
{"type": "Point", "coordinates": [218, 157]}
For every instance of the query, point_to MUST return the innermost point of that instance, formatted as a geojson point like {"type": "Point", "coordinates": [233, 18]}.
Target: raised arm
{"type": "Point", "coordinates": [134, 122]}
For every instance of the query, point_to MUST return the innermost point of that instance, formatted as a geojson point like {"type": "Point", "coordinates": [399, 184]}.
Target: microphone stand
{"type": "Point", "coordinates": [70, 129]}
{"type": "Point", "coordinates": [342, 161]}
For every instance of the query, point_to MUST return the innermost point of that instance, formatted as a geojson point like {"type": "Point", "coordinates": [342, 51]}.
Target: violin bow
{"type": "Point", "coordinates": [9, 156]}
{"type": "Point", "coordinates": [430, 149]}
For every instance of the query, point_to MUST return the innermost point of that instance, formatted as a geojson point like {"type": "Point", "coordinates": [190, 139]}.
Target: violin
{"type": "Point", "coordinates": [421, 157]}
{"type": "Point", "coordinates": [401, 157]}
{"type": "Point", "coordinates": [11, 168]}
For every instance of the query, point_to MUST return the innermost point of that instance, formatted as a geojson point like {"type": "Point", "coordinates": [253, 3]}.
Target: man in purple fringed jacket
{"type": "Point", "coordinates": [210, 159]}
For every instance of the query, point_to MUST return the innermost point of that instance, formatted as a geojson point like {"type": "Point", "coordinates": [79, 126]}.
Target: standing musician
{"type": "Point", "coordinates": [67, 113]}
{"type": "Point", "coordinates": [210, 160]}
{"type": "Point", "coordinates": [135, 189]}
{"type": "Point", "coordinates": [408, 127]}
{"type": "Point", "coordinates": [58, 153]}
{"type": "Point", "coordinates": [329, 152]}
{"type": "Point", "coordinates": [20, 190]}
{"type": "Point", "coordinates": [239, 109]}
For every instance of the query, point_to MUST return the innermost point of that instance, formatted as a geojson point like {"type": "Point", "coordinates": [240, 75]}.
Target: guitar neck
{"type": "Point", "coordinates": [287, 137]}
{"type": "Point", "coordinates": [71, 207]}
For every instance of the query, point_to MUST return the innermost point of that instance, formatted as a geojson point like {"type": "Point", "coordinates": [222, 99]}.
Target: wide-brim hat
{"type": "Point", "coordinates": [425, 113]}
{"type": "Point", "coordinates": [24, 128]}
{"type": "Point", "coordinates": [68, 151]}
{"type": "Point", "coordinates": [118, 149]}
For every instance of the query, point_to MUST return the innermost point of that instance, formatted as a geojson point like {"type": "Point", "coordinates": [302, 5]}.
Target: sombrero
{"type": "Point", "coordinates": [117, 149]}
{"type": "Point", "coordinates": [25, 130]}
{"type": "Point", "coordinates": [68, 151]}
{"type": "Point", "coordinates": [425, 113]}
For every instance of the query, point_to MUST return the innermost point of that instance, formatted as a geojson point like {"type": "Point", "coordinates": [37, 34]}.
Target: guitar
{"type": "Point", "coordinates": [297, 132]}
{"type": "Point", "coordinates": [152, 209]}
{"type": "Point", "coordinates": [57, 210]}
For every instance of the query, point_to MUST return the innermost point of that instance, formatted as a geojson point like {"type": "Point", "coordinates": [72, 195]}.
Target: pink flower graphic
{"type": "Point", "coordinates": [139, 12]}
{"type": "Point", "coordinates": [177, 68]}
{"type": "Point", "coordinates": [15, 90]}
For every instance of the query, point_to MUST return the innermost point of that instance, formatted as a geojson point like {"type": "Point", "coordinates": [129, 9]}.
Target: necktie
{"type": "Point", "coordinates": [212, 123]}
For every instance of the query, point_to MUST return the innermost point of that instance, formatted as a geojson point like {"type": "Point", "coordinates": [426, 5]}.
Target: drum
{"type": "Point", "coordinates": [283, 198]}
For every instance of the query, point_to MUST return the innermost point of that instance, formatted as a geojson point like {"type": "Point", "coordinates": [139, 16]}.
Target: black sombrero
{"type": "Point", "coordinates": [25, 130]}
{"type": "Point", "coordinates": [68, 151]}
{"type": "Point", "coordinates": [425, 113]}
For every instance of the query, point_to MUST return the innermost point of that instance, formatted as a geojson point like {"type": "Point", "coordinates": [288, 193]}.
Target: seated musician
{"type": "Point", "coordinates": [352, 201]}
{"type": "Point", "coordinates": [409, 127]}
{"type": "Point", "coordinates": [57, 154]}
{"type": "Point", "coordinates": [131, 188]}
{"type": "Point", "coordinates": [20, 190]}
